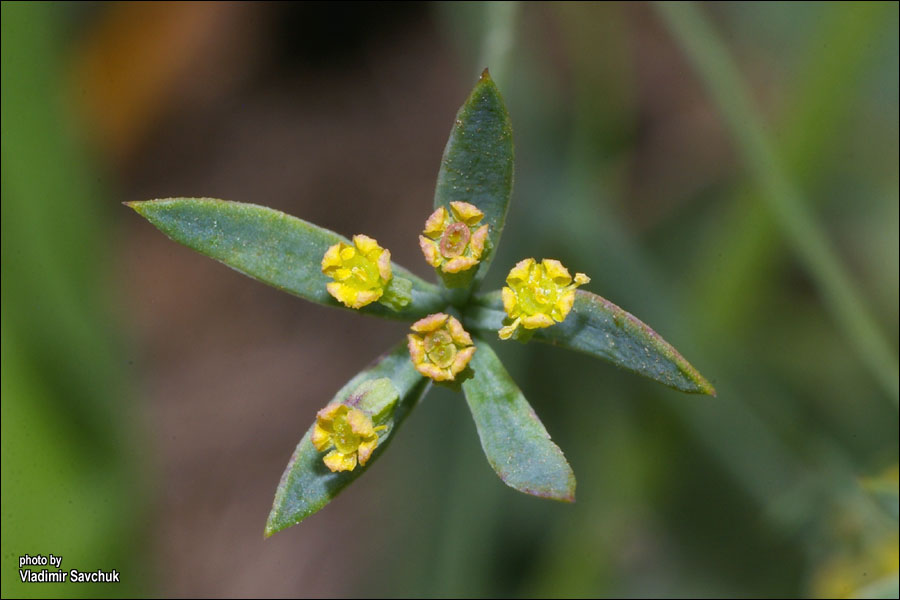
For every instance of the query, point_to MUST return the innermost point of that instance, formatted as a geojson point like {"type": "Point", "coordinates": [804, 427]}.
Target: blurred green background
{"type": "Point", "coordinates": [151, 398]}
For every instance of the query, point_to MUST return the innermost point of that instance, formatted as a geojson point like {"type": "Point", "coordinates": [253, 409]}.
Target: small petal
{"type": "Point", "coordinates": [509, 301]}
{"type": "Point", "coordinates": [536, 321]}
{"type": "Point", "coordinates": [341, 293]}
{"type": "Point", "coordinates": [519, 273]}
{"type": "Point", "coordinates": [332, 259]}
{"type": "Point", "coordinates": [563, 306]}
{"type": "Point", "coordinates": [331, 412]}
{"type": "Point", "coordinates": [430, 250]}
{"type": "Point", "coordinates": [556, 271]}
{"type": "Point", "coordinates": [365, 244]}
{"type": "Point", "coordinates": [366, 449]}
{"type": "Point", "coordinates": [433, 371]}
{"type": "Point", "coordinates": [341, 273]}
{"type": "Point", "coordinates": [321, 439]}
{"type": "Point", "coordinates": [347, 252]}
{"type": "Point", "coordinates": [364, 298]}
{"type": "Point", "coordinates": [384, 265]}
{"type": "Point", "coordinates": [462, 359]}
{"type": "Point", "coordinates": [581, 279]}
{"type": "Point", "coordinates": [429, 323]}
{"type": "Point", "coordinates": [416, 348]}
{"type": "Point", "coordinates": [458, 264]}
{"type": "Point", "coordinates": [465, 212]}
{"type": "Point", "coordinates": [436, 223]}
{"type": "Point", "coordinates": [508, 331]}
{"type": "Point", "coordinates": [478, 240]}
{"type": "Point", "coordinates": [337, 461]}
{"type": "Point", "coordinates": [457, 333]}
{"type": "Point", "coordinates": [360, 424]}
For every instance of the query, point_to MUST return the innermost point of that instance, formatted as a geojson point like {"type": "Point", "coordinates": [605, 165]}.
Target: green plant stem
{"type": "Point", "coordinates": [710, 58]}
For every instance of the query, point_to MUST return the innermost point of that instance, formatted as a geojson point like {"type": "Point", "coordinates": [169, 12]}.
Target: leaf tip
{"type": "Point", "coordinates": [273, 525]}
{"type": "Point", "coordinates": [134, 205]}
{"type": "Point", "coordinates": [270, 529]}
{"type": "Point", "coordinates": [567, 495]}
{"type": "Point", "coordinates": [559, 491]}
{"type": "Point", "coordinates": [703, 386]}
{"type": "Point", "coordinates": [485, 75]}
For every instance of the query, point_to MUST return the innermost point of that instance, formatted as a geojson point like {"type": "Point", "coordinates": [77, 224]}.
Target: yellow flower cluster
{"type": "Point", "coordinates": [538, 294]}
{"type": "Point", "coordinates": [349, 431]}
{"type": "Point", "coordinates": [361, 272]}
{"type": "Point", "coordinates": [440, 348]}
{"type": "Point", "coordinates": [451, 241]}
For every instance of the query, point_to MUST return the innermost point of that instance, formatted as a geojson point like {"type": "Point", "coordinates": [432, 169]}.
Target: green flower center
{"type": "Point", "coordinates": [343, 437]}
{"type": "Point", "coordinates": [440, 348]}
{"type": "Point", "coordinates": [363, 272]}
{"type": "Point", "coordinates": [455, 239]}
{"type": "Point", "coordinates": [539, 294]}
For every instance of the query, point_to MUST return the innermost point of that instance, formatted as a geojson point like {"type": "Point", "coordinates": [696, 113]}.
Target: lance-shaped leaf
{"type": "Point", "coordinates": [477, 166]}
{"type": "Point", "coordinates": [514, 440]}
{"type": "Point", "coordinates": [598, 327]}
{"type": "Point", "coordinates": [307, 484]}
{"type": "Point", "coordinates": [272, 247]}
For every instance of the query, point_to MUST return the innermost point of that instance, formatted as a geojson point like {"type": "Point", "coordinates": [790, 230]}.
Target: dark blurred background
{"type": "Point", "coordinates": [151, 397]}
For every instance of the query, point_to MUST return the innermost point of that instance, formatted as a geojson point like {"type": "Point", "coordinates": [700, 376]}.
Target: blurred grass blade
{"type": "Point", "coordinates": [307, 485]}
{"type": "Point", "coordinates": [270, 246]}
{"type": "Point", "coordinates": [712, 61]}
{"type": "Point", "coordinates": [76, 469]}
{"type": "Point", "coordinates": [826, 91]}
{"type": "Point", "coordinates": [514, 440]}
{"type": "Point", "coordinates": [477, 166]}
{"type": "Point", "coordinates": [885, 490]}
{"type": "Point", "coordinates": [598, 327]}
{"type": "Point", "coordinates": [886, 587]}
{"type": "Point", "coordinates": [498, 40]}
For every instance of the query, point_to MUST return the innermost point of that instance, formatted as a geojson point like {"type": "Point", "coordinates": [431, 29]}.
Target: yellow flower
{"type": "Point", "coordinates": [443, 349]}
{"type": "Point", "coordinates": [349, 431]}
{"type": "Point", "coordinates": [539, 294]}
{"type": "Point", "coordinates": [450, 241]}
{"type": "Point", "coordinates": [361, 272]}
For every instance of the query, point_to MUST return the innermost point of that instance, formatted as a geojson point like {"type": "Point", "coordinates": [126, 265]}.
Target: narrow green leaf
{"type": "Point", "coordinates": [272, 247]}
{"type": "Point", "coordinates": [307, 485]}
{"type": "Point", "coordinates": [514, 440]}
{"type": "Point", "coordinates": [477, 166]}
{"type": "Point", "coordinates": [598, 327]}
